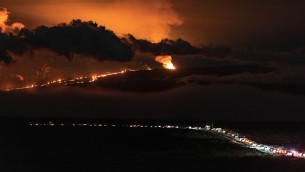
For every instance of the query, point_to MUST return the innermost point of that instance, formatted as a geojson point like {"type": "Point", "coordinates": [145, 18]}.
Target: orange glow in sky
{"type": "Point", "coordinates": [152, 21]}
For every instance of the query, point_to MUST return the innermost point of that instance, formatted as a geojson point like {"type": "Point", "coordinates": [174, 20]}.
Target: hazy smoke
{"type": "Point", "coordinates": [19, 77]}
{"type": "Point", "coordinates": [43, 73]}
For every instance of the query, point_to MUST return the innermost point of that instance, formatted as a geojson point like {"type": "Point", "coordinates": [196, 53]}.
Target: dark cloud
{"type": "Point", "coordinates": [89, 39]}
{"type": "Point", "coordinates": [175, 47]}
{"type": "Point", "coordinates": [217, 102]}
{"type": "Point", "coordinates": [288, 81]}
{"type": "Point", "coordinates": [10, 44]}
{"type": "Point", "coordinates": [289, 57]}
{"type": "Point", "coordinates": [161, 79]}
{"type": "Point", "coordinates": [78, 37]}
{"type": "Point", "coordinates": [158, 80]}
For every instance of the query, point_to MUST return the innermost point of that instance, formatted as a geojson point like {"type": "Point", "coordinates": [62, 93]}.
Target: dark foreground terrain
{"type": "Point", "coordinates": [25, 148]}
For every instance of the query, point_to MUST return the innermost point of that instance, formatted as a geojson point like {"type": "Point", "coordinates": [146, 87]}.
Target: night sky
{"type": "Point", "coordinates": [235, 60]}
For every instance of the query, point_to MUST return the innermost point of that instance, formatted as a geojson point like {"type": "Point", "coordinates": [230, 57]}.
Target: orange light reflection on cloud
{"type": "Point", "coordinates": [151, 20]}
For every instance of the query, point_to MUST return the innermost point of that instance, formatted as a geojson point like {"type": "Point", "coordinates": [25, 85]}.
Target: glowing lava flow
{"type": "Point", "coordinates": [166, 61]}
{"type": "Point", "coordinates": [77, 80]}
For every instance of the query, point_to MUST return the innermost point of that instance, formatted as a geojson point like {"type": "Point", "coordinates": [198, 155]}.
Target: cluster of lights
{"type": "Point", "coordinates": [273, 150]}
{"type": "Point", "coordinates": [231, 135]}
{"type": "Point", "coordinates": [51, 124]}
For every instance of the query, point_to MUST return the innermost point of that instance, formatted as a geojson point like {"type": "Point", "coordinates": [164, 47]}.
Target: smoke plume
{"type": "Point", "coordinates": [19, 77]}
{"type": "Point", "coordinates": [42, 74]}
{"type": "Point", "coordinates": [166, 61]}
{"type": "Point", "coordinates": [5, 27]}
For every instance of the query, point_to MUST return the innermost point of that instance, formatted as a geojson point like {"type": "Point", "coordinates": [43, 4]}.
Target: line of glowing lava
{"type": "Point", "coordinates": [76, 80]}
{"type": "Point", "coordinates": [166, 60]}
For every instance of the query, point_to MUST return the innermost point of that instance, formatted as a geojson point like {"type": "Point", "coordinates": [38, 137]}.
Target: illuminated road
{"type": "Point", "coordinates": [225, 133]}
{"type": "Point", "coordinates": [244, 141]}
